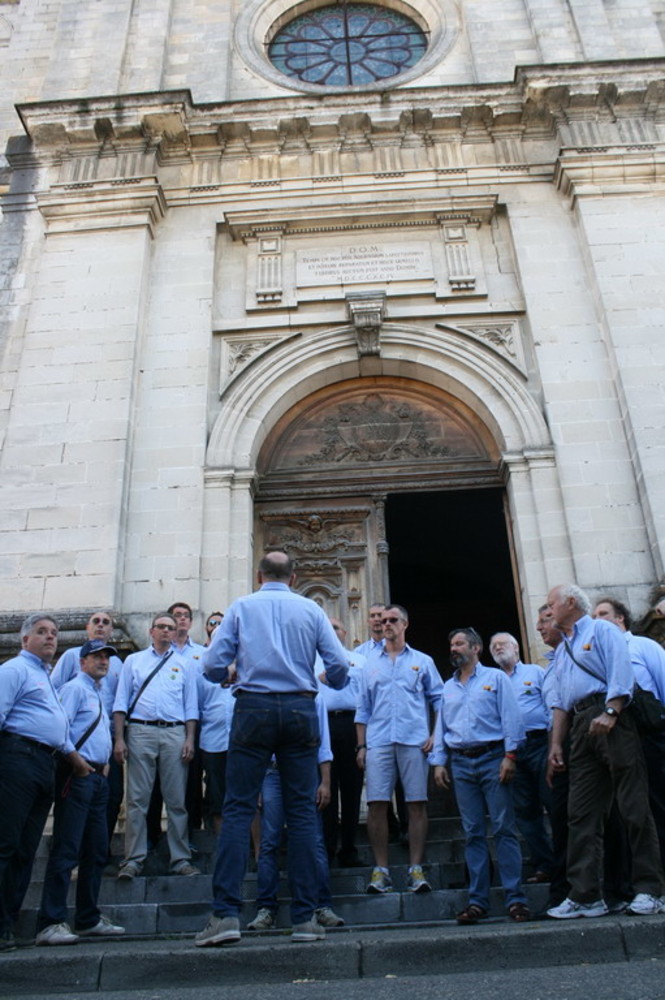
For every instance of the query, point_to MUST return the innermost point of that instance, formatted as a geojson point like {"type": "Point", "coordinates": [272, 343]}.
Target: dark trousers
{"type": "Point", "coordinates": [603, 768]}
{"type": "Point", "coordinates": [340, 817]}
{"type": "Point", "coordinates": [80, 837]}
{"type": "Point", "coordinates": [26, 793]}
{"type": "Point", "coordinates": [116, 782]}
{"type": "Point", "coordinates": [531, 796]}
{"type": "Point", "coordinates": [653, 745]}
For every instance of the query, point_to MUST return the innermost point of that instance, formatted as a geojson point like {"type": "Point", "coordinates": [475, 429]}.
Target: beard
{"type": "Point", "coordinates": [458, 660]}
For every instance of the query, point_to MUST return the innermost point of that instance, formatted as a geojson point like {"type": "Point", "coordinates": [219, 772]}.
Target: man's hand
{"type": "Point", "coordinates": [428, 744]}
{"type": "Point", "coordinates": [555, 760]}
{"type": "Point", "coordinates": [188, 750]}
{"type": "Point", "coordinates": [360, 758]}
{"type": "Point", "coordinates": [441, 776]}
{"type": "Point", "coordinates": [322, 795]}
{"type": "Point", "coordinates": [80, 767]}
{"type": "Point", "coordinates": [507, 770]}
{"type": "Point", "coordinates": [120, 751]}
{"type": "Point", "coordinates": [603, 724]}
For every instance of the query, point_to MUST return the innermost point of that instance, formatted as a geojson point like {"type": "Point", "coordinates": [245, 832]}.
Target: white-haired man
{"type": "Point", "coordinates": [531, 794]}
{"type": "Point", "coordinates": [593, 685]}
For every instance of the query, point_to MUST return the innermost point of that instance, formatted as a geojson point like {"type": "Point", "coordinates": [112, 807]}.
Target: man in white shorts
{"type": "Point", "coordinates": [399, 692]}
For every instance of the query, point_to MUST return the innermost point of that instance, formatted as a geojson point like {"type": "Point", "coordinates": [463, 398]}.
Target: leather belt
{"type": "Point", "coordinates": [342, 711]}
{"type": "Point", "coordinates": [532, 734]}
{"type": "Point", "coordinates": [478, 750]}
{"type": "Point", "coordinates": [44, 747]}
{"type": "Point", "coordinates": [592, 699]}
{"type": "Point", "coordinates": [155, 722]}
{"type": "Point", "coordinates": [97, 768]}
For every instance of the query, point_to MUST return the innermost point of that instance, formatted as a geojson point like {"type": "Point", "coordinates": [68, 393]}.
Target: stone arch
{"type": "Point", "coordinates": [282, 374]}
{"type": "Point", "coordinates": [290, 370]}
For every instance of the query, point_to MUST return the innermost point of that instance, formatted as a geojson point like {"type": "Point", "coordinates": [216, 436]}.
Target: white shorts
{"type": "Point", "coordinates": [382, 764]}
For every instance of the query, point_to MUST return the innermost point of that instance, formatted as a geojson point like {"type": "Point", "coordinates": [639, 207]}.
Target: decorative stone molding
{"type": "Point", "coordinates": [503, 336]}
{"type": "Point", "coordinates": [366, 311]}
{"type": "Point", "coordinates": [124, 203]}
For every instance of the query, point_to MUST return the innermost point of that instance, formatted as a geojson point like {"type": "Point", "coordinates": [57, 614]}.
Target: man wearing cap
{"type": "Point", "coordinates": [157, 702]}
{"type": "Point", "coordinates": [79, 829]}
{"type": "Point", "coordinates": [99, 627]}
{"type": "Point", "coordinates": [34, 731]}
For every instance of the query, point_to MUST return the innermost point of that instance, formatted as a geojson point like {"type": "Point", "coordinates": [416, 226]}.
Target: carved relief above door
{"type": "Point", "coordinates": [326, 468]}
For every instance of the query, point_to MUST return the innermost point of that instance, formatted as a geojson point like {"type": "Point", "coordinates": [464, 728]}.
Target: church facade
{"type": "Point", "coordinates": [360, 279]}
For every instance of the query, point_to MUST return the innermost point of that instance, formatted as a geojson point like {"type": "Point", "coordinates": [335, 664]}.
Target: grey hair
{"type": "Point", "coordinates": [29, 624]}
{"type": "Point", "coordinates": [579, 596]}
{"type": "Point", "coordinates": [508, 634]}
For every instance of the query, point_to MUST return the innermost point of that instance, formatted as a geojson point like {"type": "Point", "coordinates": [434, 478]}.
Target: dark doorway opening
{"type": "Point", "coordinates": [450, 566]}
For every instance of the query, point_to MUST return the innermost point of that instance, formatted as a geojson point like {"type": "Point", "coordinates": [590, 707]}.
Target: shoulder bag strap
{"type": "Point", "coordinates": [150, 676]}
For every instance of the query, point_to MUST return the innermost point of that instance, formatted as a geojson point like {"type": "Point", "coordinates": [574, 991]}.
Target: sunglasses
{"type": "Point", "coordinates": [101, 621]}
{"type": "Point", "coordinates": [215, 621]}
{"type": "Point", "coordinates": [390, 621]}
{"type": "Point", "coordinates": [169, 628]}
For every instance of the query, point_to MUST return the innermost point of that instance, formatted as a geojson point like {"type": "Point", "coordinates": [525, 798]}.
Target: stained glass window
{"type": "Point", "coordinates": [347, 44]}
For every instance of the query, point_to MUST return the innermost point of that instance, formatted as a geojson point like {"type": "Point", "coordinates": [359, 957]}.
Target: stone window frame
{"type": "Point", "coordinates": [261, 19]}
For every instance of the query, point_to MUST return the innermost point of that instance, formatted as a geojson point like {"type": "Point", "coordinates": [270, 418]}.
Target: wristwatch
{"type": "Point", "coordinates": [609, 710]}
{"type": "Point", "coordinates": [361, 746]}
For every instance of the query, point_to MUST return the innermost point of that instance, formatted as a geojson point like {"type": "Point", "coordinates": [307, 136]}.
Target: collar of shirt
{"type": "Point", "coordinates": [34, 661]}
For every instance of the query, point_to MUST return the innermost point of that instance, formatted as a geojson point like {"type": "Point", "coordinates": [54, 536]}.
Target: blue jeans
{"type": "Point", "coordinates": [265, 724]}
{"type": "Point", "coordinates": [272, 825]}
{"type": "Point", "coordinates": [478, 790]}
{"type": "Point", "coordinates": [26, 793]}
{"type": "Point", "coordinates": [80, 837]}
{"type": "Point", "coordinates": [530, 795]}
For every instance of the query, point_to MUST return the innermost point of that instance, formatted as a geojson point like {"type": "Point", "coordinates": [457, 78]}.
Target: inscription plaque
{"type": "Point", "coordinates": [365, 262]}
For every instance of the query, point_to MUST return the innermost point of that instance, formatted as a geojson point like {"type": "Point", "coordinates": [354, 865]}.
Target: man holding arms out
{"type": "Point", "coordinates": [80, 835]}
{"type": "Point", "coordinates": [480, 731]}
{"type": "Point", "coordinates": [530, 792]}
{"type": "Point", "coordinates": [33, 731]}
{"type": "Point", "coordinates": [605, 758]}
{"type": "Point", "coordinates": [273, 636]}
{"type": "Point", "coordinates": [399, 687]}
{"type": "Point", "coordinates": [157, 701]}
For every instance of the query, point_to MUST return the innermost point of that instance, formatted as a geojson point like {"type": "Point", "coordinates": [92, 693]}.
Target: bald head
{"type": "Point", "coordinates": [276, 567]}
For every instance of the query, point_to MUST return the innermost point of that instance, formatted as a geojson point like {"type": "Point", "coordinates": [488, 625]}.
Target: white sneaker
{"type": "Point", "coordinates": [326, 917]}
{"type": "Point", "coordinates": [57, 934]}
{"type": "Point", "coordinates": [309, 931]}
{"type": "Point", "coordinates": [568, 910]}
{"type": "Point", "coordinates": [380, 881]}
{"type": "Point", "coordinates": [218, 930]}
{"type": "Point", "coordinates": [644, 905]}
{"type": "Point", "coordinates": [416, 881]}
{"type": "Point", "coordinates": [263, 921]}
{"type": "Point", "coordinates": [103, 928]}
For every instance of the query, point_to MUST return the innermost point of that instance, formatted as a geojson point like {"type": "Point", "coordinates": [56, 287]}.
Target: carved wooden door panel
{"type": "Point", "coordinates": [340, 550]}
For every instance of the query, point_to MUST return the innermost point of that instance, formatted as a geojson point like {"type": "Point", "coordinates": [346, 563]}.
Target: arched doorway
{"type": "Point", "coordinates": [390, 488]}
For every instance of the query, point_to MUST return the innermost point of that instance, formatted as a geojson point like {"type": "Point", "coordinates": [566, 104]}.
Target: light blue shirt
{"type": "Point", "coordinates": [170, 696]}
{"type": "Point", "coordinates": [69, 665]}
{"type": "Point", "coordinates": [527, 681]}
{"type": "Point", "coordinates": [29, 704]}
{"type": "Point", "coordinates": [648, 660]}
{"type": "Point", "coordinates": [274, 635]}
{"type": "Point", "coordinates": [601, 647]}
{"type": "Point", "coordinates": [345, 699]}
{"type": "Point", "coordinates": [395, 697]}
{"type": "Point", "coordinates": [370, 646]}
{"type": "Point", "coordinates": [191, 652]}
{"type": "Point", "coordinates": [81, 699]}
{"type": "Point", "coordinates": [483, 710]}
{"type": "Point", "coordinates": [216, 704]}
{"type": "Point", "coordinates": [549, 683]}
{"type": "Point", "coordinates": [324, 751]}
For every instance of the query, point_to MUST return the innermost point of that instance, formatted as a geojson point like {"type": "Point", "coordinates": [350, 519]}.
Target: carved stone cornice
{"type": "Point", "coordinates": [123, 203]}
{"type": "Point", "coordinates": [366, 311]}
{"type": "Point", "coordinates": [606, 170]}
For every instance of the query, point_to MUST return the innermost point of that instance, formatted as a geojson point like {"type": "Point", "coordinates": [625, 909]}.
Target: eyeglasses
{"type": "Point", "coordinates": [101, 621]}
{"type": "Point", "coordinates": [169, 628]}
{"type": "Point", "coordinates": [390, 621]}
